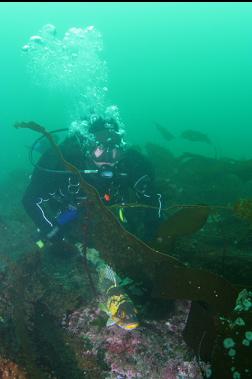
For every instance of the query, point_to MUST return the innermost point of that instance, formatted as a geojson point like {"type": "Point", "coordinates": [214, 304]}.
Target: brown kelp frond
{"type": "Point", "coordinates": [185, 222]}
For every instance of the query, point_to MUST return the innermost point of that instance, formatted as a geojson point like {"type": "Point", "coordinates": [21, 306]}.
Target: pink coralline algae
{"type": "Point", "coordinates": [155, 350]}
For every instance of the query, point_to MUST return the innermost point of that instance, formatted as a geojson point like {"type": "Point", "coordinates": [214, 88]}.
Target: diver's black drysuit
{"type": "Point", "coordinates": [53, 195]}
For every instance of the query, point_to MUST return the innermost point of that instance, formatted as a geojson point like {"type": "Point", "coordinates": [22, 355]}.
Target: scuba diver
{"type": "Point", "coordinates": [54, 199]}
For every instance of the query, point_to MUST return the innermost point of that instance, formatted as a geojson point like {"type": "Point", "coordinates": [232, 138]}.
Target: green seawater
{"type": "Point", "coordinates": [183, 65]}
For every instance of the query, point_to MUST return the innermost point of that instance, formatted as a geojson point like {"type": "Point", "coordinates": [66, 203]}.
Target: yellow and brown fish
{"type": "Point", "coordinates": [118, 306]}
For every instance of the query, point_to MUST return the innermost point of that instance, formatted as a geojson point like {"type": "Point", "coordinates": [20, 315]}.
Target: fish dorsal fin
{"type": "Point", "coordinates": [110, 274]}
{"type": "Point", "coordinates": [103, 308]}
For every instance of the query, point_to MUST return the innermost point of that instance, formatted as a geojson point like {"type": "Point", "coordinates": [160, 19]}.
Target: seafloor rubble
{"type": "Point", "coordinates": [154, 350]}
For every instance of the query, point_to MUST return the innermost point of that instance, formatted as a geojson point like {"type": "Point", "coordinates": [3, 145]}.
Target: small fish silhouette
{"type": "Point", "coordinates": [164, 132]}
{"type": "Point", "coordinates": [195, 136]}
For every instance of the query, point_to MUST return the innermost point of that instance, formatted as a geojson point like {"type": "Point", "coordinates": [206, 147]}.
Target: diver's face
{"type": "Point", "coordinates": [105, 155]}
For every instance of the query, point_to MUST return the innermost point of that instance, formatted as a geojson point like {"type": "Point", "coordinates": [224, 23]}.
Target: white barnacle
{"type": "Point", "coordinates": [246, 342]}
{"type": "Point", "coordinates": [236, 375]}
{"type": "Point", "coordinates": [239, 321]}
{"type": "Point", "coordinates": [231, 352]}
{"type": "Point", "coordinates": [248, 335]}
{"type": "Point", "coordinates": [228, 343]}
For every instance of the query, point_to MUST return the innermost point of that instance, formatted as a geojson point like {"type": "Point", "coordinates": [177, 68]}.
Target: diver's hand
{"type": "Point", "coordinates": [55, 235]}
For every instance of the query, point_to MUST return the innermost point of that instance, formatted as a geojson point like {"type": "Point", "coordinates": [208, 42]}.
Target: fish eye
{"type": "Point", "coordinates": [121, 314]}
